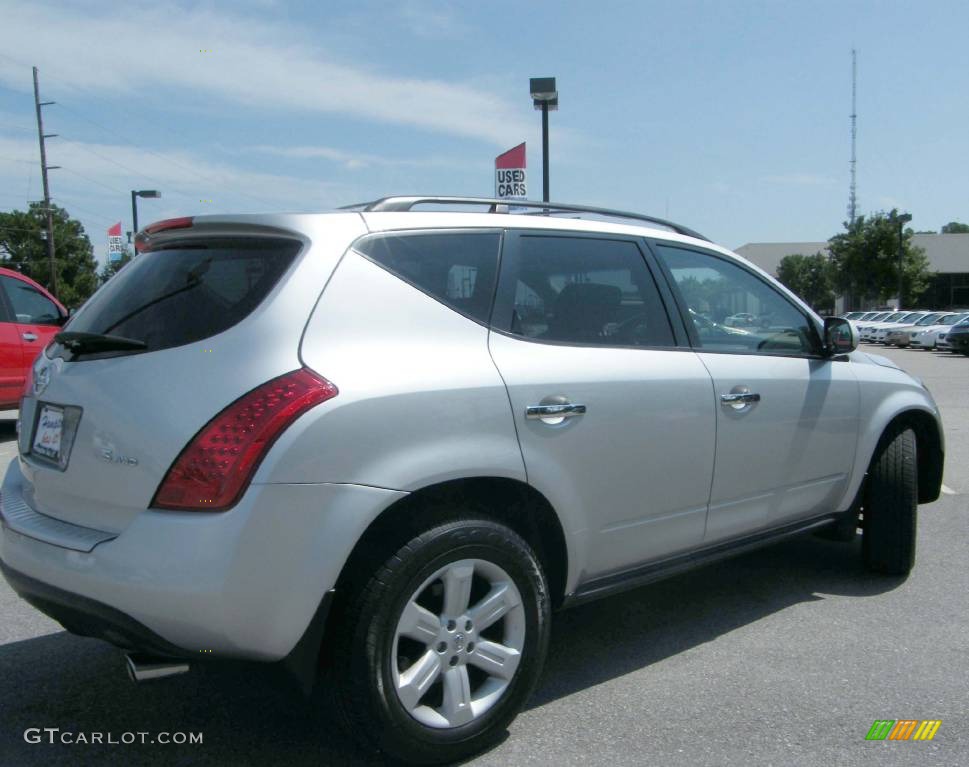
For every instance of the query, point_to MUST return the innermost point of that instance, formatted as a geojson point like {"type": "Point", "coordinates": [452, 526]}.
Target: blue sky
{"type": "Point", "coordinates": [730, 117]}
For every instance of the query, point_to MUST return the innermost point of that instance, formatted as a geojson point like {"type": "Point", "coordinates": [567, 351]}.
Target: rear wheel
{"type": "Point", "coordinates": [445, 643]}
{"type": "Point", "coordinates": [891, 502]}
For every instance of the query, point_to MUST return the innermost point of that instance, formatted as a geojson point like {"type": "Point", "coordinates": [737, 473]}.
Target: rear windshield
{"type": "Point", "coordinates": [185, 293]}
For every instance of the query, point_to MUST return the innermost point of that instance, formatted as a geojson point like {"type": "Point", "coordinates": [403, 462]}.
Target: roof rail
{"type": "Point", "coordinates": [404, 204]}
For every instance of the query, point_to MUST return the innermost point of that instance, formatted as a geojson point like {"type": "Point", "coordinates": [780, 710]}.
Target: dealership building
{"type": "Point", "coordinates": [948, 256]}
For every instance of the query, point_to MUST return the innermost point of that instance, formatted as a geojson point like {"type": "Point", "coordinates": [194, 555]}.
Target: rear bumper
{"type": "Point", "coordinates": [87, 617]}
{"type": "Point", "coordinates": [245, 583]}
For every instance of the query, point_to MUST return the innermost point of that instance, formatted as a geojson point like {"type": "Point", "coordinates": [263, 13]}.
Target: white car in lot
{"type": "Point", "coordinates": [872, 331]}
{"type": "Point", "coordinates": [870, 319]}
{"type": "Point", "coordinates": [928, 337]}
{"type": "Point", "coordinates": [901, 335]}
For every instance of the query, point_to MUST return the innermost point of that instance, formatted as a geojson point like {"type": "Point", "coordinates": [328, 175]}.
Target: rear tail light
{"type": "Point", "coordinates": [215, 468]}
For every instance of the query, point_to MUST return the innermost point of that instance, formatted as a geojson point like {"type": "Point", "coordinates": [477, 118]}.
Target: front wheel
{"type": "Point", "coordinates": [445, 643]}
{"type": "Point", "coordinates": [890, 506]}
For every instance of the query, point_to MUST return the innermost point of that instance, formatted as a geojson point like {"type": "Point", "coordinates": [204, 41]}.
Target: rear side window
{"type": "Point", "coordinates": [185, 293]}
{"type": "Point", "coordinates": [456, 268]}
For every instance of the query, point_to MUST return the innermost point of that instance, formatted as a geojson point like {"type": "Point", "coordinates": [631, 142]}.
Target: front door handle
{"type": "Point", "coordinates": [28, 337]}
{"type": "Point", "coordinates": [739, 398]}
{"type": "Point", "coordinates": [557, 411]}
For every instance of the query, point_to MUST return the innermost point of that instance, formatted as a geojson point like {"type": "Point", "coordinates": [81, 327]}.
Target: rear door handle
{"type": "Point", "coordinates": [564, 410]}
{"type": "Point", "coordinates": [28, 337]}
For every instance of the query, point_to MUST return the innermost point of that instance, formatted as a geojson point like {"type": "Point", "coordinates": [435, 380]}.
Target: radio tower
{"type": "Point", "coordinates": [852, 196]}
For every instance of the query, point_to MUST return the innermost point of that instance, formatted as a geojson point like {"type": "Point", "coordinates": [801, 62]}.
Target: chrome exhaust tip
{"type": "Point", "coordinates": [144, 668]}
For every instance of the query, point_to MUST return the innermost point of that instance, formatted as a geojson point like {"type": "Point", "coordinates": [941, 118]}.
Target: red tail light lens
{"type": "Point", "coordinates": [215, 468]}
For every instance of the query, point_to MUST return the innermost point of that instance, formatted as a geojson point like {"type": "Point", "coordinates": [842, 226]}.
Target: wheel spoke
{"type": "Point", "coordinates": [415, 681]}
{"type": "Point", "coordinates": [457, 697]}
{"type": "Point", "coordinates": [457, 589]}
{"type": "Point", "coordinates": [419, 624]}
{"type": "Point", "coordinates": [495, 659]}
{"type": "Point", "coordinates": [499, 601]}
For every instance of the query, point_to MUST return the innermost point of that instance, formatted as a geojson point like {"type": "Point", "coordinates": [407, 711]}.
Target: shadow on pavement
{"type": "Point", "coordinates": [250, 715]}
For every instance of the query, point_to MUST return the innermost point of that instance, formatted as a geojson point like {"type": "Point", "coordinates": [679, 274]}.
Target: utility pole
{"type": "Point", "coordinates": [44, 167]}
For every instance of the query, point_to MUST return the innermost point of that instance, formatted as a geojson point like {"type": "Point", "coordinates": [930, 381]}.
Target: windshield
{"type": "Point", "coordinates": [929, 319]}
{"type": "Point", "coordinates": [185, 293]}
{"type": "Point", "coordinates": [894, 317]}
{"type": "Point", "coordinates": [952, 319]}
{"type": "Point", "coordinates": [912, 317]}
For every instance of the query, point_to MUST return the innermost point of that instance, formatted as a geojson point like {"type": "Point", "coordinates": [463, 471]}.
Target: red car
{"type": "Point", "coordinates": [29, 317]}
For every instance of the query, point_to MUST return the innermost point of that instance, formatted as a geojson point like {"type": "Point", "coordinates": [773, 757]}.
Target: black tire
{"type": "Point", "coordinates": [891, 503]}
{"type": "Point", "coordinates": [364, 651]}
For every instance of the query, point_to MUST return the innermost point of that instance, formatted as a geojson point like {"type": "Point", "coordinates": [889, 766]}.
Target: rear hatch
{"type": "Point", "coordinates": [206, 314]}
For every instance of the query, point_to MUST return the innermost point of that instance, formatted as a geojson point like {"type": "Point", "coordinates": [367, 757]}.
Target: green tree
{"type": "Point", "coordinates": [810, 277]}
{"type": "Point", "coordinates": [865, 260]}
{"type": "Point", "coordinates": [954, 227]}
{"type": "Point", "coordinates": [22, 247]}
{"type": "Point", "coordinates": [111, 268]}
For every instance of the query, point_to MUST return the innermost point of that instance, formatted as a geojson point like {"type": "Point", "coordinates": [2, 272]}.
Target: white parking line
{"type": "Point", "coordinates": [948, 490]}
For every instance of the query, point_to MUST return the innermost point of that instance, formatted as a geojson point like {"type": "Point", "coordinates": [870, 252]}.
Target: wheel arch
{"type": "Point", "coordinates": [929, 449]}
{"type": "Point", "coordinates": [509, 501]}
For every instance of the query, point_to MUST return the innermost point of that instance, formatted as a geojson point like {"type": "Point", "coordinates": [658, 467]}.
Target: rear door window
{"type": "Point", "coordinates": [187, 292]}
{"type": "Point", "coordinates": [456, 268]}
{"type": "Point", "coordinates": [581, 290]}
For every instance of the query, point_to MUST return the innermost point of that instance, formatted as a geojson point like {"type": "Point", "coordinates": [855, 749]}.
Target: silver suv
{"type": "Point", "coordinates": [383, 444]}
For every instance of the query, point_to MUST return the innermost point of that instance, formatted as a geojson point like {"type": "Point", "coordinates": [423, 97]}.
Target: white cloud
{"type": "Point", "coordinates": [251, 62]}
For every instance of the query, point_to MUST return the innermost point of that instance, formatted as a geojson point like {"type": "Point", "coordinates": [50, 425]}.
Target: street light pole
{"type": "Point", "coordinates": [903, 219]}
{"type": "Point", "coordinates": [134, 206]}
{"type": "Point", "coordinates": [545, 151]}
{"type": "Point", "coordinates": [545, 98]}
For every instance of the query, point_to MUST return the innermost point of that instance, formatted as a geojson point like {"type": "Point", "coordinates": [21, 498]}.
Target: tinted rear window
{"type": "Point", "coordinates": [182, 294]}
{"type": "Point", "coordinates": [456, 268]}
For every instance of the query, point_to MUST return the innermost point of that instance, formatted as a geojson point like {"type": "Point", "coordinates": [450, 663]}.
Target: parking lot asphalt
{"type": "Point", "coordinates": [784, 656]}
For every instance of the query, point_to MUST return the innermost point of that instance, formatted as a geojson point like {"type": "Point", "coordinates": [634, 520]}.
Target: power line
{"type": "Point", "coordinates": [155, 124]}
{"type": "Point", "coordinates": [167, 158]}
{"type": "Point", "coordinates": [94, 181]}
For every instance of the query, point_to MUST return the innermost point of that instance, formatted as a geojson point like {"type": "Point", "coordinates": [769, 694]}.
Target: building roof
{"type": "Point", "coordinates": [947, 253]}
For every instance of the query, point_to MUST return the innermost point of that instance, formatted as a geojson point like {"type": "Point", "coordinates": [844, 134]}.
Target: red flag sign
{"type": "Point", "coordinates": [510, 173]}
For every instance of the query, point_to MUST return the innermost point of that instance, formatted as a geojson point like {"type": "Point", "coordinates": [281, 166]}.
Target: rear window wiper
{"type": "Point", "coordinates": [92, 343]}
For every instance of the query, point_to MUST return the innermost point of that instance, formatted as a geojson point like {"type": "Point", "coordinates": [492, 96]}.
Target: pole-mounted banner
{"type": "Point", "coordinates": [115, 247]}
{"type": "Point", "coordinates": [510, 174]}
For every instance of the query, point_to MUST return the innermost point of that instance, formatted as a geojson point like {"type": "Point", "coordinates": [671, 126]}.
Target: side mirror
{"type": "Point", "coordinates": [840, 336]}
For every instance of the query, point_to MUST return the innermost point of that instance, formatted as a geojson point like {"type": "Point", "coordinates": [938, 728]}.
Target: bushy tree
{"type": "Point", "coordinates": [22, 247]}
{"type": "Point", "coordinates": [865, 262]}
{"type": "Point", "coordinates": [810, 277]}
{"type": "Point", "coordinates": [954, 227]}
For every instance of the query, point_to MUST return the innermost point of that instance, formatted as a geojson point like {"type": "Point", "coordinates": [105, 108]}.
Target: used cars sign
{"type": "Point", "coordinates": [510, 173]}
